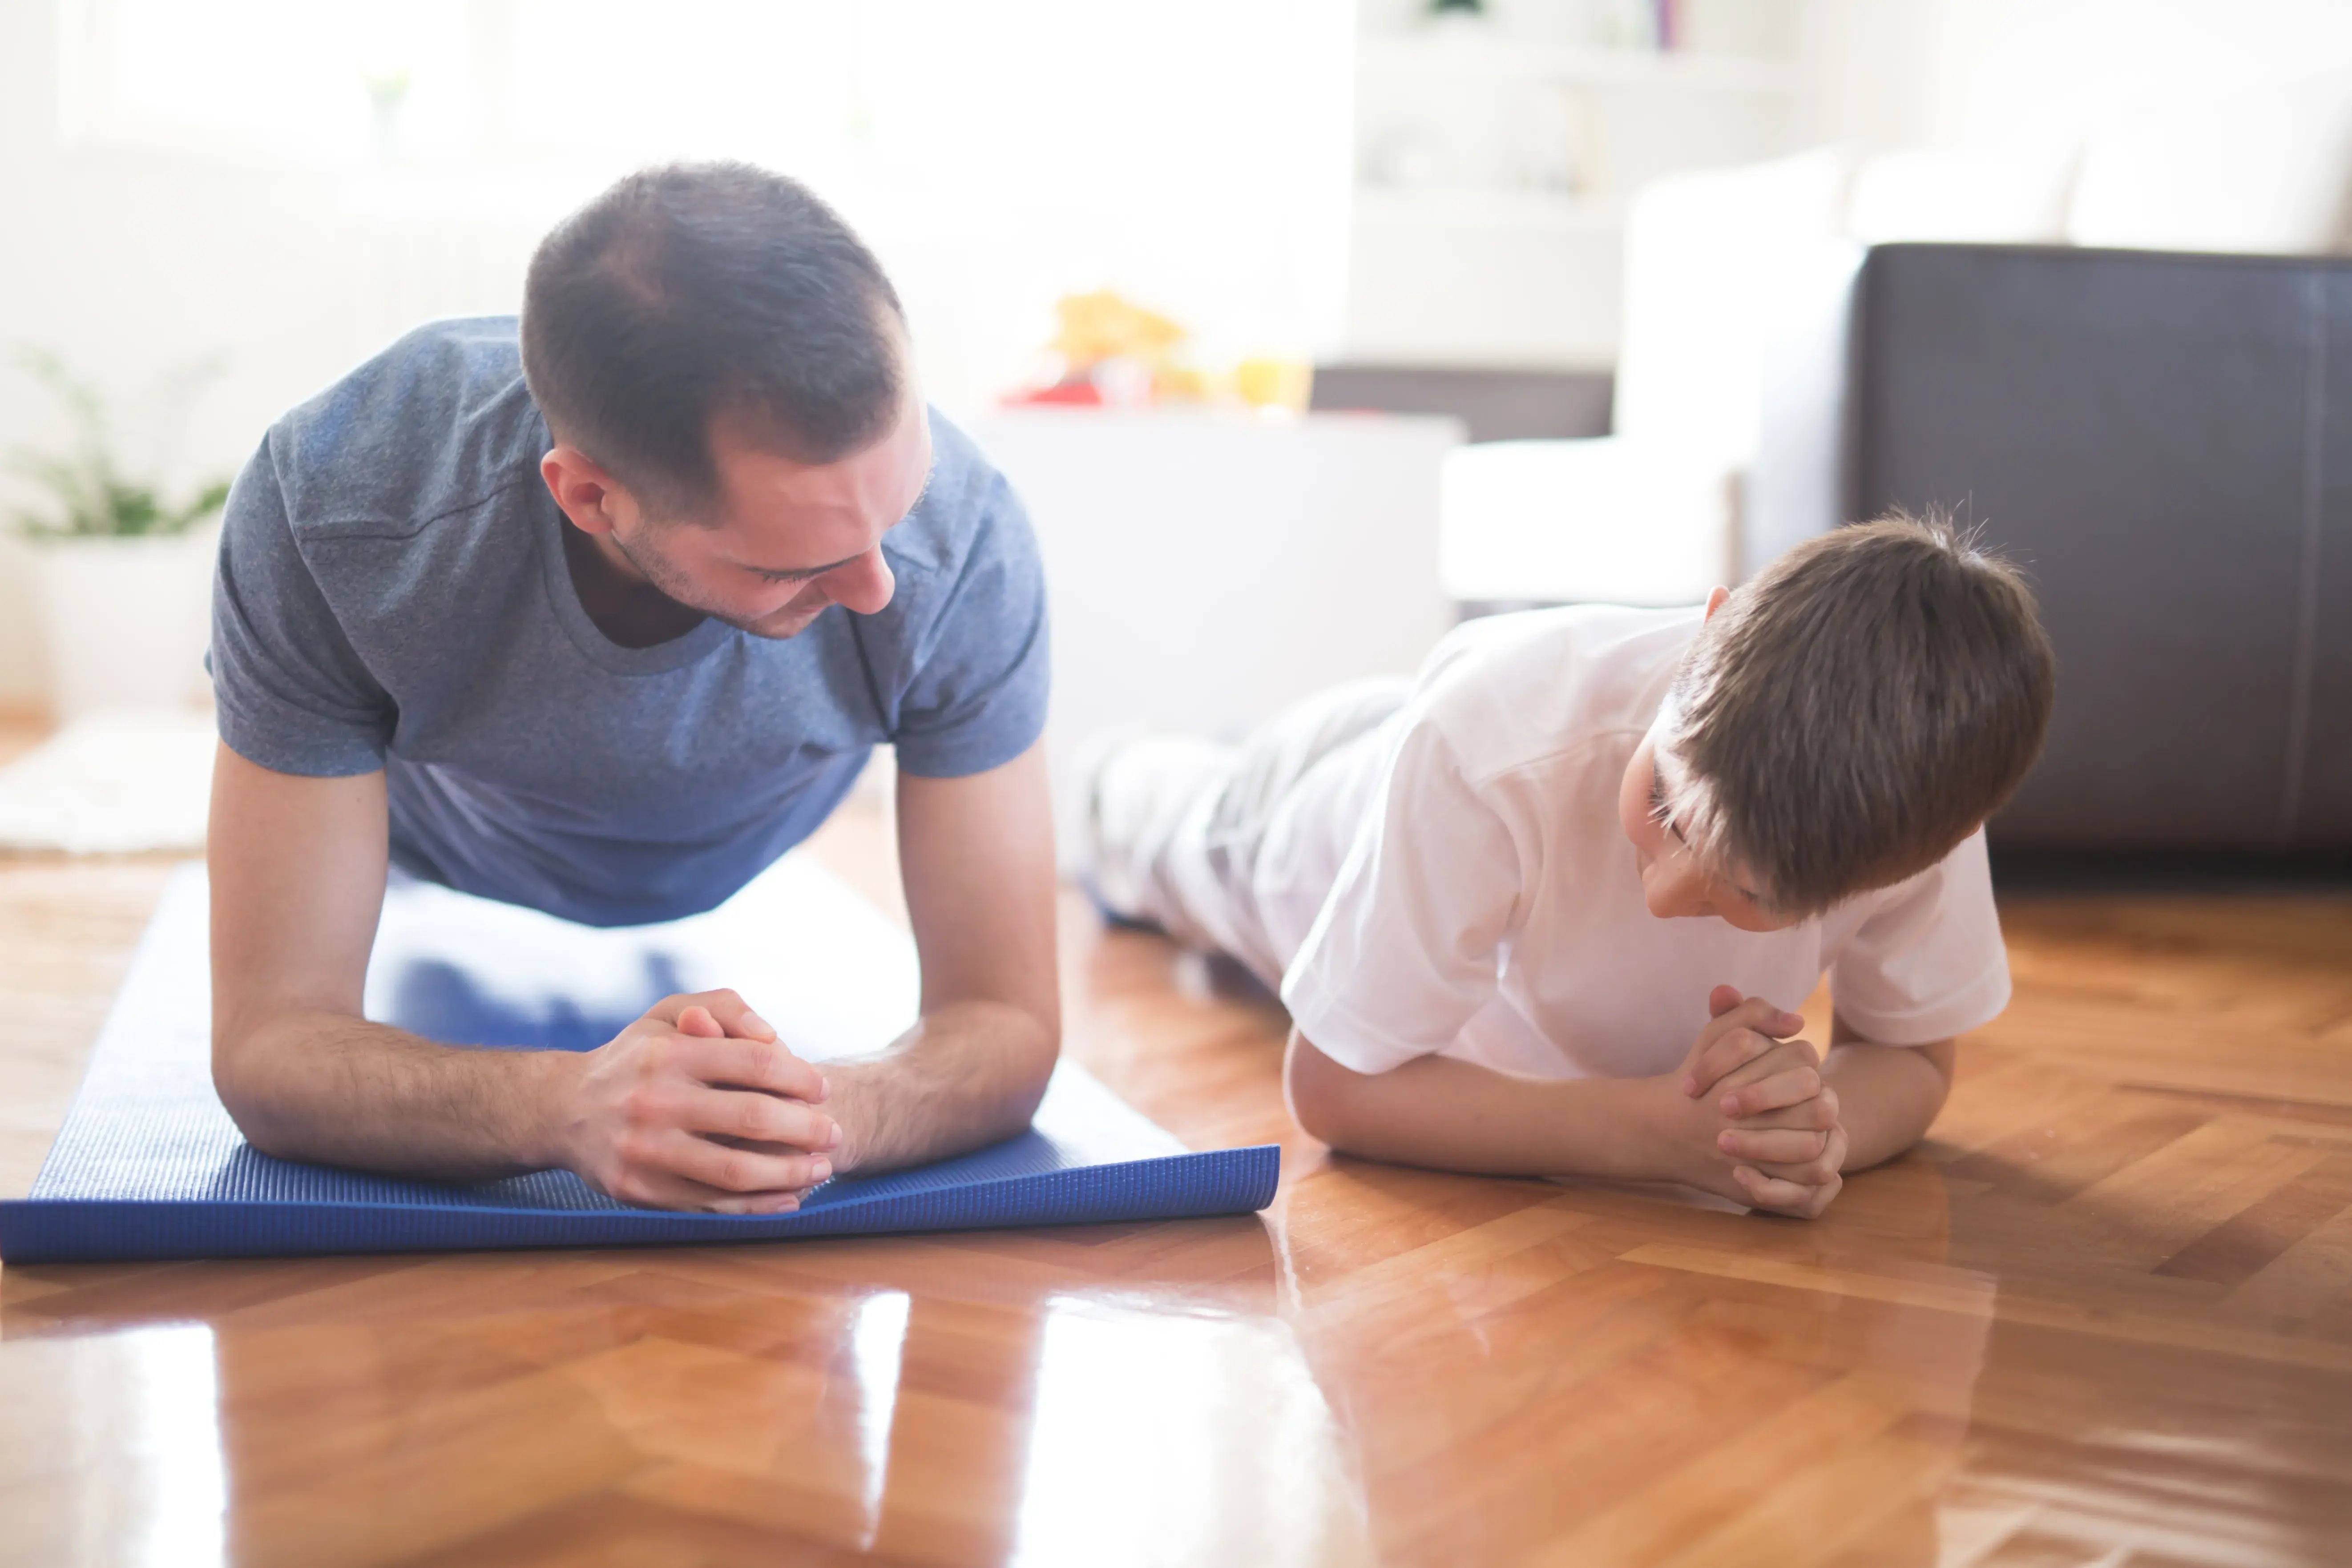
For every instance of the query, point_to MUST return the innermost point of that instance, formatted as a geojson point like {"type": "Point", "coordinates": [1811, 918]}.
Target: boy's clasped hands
{"type": "Point", "coordinates": [1757, 1121]}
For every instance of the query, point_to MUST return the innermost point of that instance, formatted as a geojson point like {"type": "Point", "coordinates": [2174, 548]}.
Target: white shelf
{"type": "Point", "coordinates": [1473, 207]}
{"type": "Point", "coordinates": [1492, 57]}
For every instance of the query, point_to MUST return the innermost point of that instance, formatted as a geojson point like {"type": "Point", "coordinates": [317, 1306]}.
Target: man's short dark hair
{"type": "Point", "coordinates": [1852, 714]}
{"type": "Point", "coordinates": [696, 288]}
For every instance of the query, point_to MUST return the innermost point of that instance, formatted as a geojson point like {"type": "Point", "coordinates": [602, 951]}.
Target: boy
{"type": "Point", "coordinates": [1543, 912]}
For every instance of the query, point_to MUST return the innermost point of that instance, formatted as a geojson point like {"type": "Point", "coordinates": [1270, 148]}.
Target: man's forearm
{"type": "Point", "coordinates": [969, 1074]}
{"type": "Point", "coordinates": [335, 1090]}
{"type": "Point", "coordinates": [1457, 1116]}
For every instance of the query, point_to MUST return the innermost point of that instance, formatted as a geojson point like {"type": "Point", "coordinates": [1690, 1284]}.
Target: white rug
{"type": "Point", "coordinates": [117, 782]}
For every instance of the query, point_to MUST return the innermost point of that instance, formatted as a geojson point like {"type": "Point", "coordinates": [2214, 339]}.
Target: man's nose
{"type": "Point", "coordinates": [864, 586]}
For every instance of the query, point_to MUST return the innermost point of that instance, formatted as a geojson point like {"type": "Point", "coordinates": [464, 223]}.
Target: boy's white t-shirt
{"type": "Point", "coordinates": [1457, 880]}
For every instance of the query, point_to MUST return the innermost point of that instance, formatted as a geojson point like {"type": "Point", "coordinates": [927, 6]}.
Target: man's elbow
{"type": "Point", "coordinates": [1042, 1052]}
{"type": "Point", "coordinates": [241, 1077]}
{"type": "Point", "coordinates": [1032, 1047]}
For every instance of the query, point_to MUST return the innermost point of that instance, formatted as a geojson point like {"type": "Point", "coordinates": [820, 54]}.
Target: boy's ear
{"type": "Point", "coordinates": [1715, 598]}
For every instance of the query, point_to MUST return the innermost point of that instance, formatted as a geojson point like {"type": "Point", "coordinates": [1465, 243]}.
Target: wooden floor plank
{"type": "Point", "coordinates": [2103, 1316]}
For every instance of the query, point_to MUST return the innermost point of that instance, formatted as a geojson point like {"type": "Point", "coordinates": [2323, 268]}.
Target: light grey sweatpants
{"type": "Point", "coordinates": [1180, 822]}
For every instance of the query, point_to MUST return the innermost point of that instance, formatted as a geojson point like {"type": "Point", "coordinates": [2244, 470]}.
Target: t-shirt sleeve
{"type": "Point", "coordinates": [1409, 943]}
{"type": "Point", "coordinates": [1928, 963]}
{"type": "Point", "coordinates": [291, 691]}
{"type": "Point", "coordinates": [977, 696]}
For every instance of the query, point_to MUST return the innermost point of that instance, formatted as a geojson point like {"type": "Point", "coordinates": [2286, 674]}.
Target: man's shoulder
{"type": "Point", "coordinates": [966, 509]}
{"type": "Point", "coordinates": [1512, 691]}
{"type": "Point", "coordinates": [435, 424]}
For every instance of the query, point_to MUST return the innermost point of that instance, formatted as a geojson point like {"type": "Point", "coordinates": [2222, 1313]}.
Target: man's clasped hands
{"type": "Point", "coordinates": [698, 1105]}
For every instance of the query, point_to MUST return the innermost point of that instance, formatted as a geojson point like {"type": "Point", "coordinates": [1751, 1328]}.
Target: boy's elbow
{"type": "Point", "coordinates": [1941, 1058]}
{"type": "Point", "coordinates": [1317, 1090]}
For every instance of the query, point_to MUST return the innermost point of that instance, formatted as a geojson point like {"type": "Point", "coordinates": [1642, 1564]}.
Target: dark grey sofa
{"type": "Point", "coordinates": [2165, 442]}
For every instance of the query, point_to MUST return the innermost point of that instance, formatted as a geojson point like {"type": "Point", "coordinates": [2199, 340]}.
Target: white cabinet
{"type": "Point", "coordinates": [1208, 568]}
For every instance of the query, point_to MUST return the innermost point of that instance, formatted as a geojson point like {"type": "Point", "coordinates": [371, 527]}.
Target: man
{"type": "Point", "coordinates": [600, 616]}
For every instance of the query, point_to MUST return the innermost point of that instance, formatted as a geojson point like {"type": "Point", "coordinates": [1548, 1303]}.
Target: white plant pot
{"type": "Point", "coordinates": [124, 622]}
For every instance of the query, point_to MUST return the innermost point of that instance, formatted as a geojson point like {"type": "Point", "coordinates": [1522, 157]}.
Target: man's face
{"type": "Point", "coordinates": [1673, 883]}
{"type": "Point", "coordinates": [784, 538]}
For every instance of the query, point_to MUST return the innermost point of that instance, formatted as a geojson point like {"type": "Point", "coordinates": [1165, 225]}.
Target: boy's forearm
{"type": "Point", "coordinates": [1888, 1095]}
{"type": "Point", "coordinates": [1452, 1115]}
{"type": "Point", "coordinates": [329, 1088]}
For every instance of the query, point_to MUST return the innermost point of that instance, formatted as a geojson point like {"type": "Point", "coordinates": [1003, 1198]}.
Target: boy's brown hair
{"type": "Point", "coordinates": [1853, 711]}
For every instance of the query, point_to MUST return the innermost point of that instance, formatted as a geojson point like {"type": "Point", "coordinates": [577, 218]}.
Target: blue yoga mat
{"type": "Point", "coordinates": [148, 1165]}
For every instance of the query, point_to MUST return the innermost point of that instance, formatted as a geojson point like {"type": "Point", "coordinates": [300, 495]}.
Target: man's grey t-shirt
{"type": "Point", "coordinates": [392, 593]}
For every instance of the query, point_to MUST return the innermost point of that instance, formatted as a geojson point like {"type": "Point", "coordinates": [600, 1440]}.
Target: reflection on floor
{"type": "Point", "coordinates": [2105, 1318]}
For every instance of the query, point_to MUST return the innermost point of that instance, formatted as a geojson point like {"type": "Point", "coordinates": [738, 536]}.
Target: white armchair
{"type": "Point", "coordinates": [1649, 515]}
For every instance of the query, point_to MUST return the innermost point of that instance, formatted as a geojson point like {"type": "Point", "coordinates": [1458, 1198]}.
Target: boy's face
{"type": "Point", "coordinates": [1673, 883]}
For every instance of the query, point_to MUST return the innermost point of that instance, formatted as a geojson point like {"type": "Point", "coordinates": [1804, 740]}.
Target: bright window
{"type": "Point", "coordinates": [1193, 154]}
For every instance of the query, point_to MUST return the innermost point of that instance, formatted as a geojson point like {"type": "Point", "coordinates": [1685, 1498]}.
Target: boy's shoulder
{"type": "Point", "coordinates": [1513, 689]}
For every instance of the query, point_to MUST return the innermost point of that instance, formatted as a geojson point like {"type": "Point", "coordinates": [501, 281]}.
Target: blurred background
{"type": "Point", "coordinates": [1306, 326]}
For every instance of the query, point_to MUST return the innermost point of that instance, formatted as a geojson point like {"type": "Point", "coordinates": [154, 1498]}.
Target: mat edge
{"type": "Point", "coordinates": [1239, 1181]}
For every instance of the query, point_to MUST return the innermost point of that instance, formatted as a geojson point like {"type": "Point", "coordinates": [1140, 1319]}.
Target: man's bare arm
{"type": "Point", "coordinates": [977, 857]}
{"type": "Point", "coordinates": [297, 875]}
{"type": "Point", "coordinates": [298, 871]}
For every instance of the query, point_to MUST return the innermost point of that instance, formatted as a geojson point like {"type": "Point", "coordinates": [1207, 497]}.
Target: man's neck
{"type": "Point", "coordinates": [629, 611]}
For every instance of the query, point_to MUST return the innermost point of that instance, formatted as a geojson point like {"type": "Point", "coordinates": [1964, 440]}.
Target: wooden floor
{"type": "Point", "coordinates": [2105, 1317]}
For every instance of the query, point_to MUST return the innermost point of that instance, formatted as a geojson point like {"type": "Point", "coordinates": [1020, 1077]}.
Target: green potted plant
{"type": "Point", "coordinates": [121, 575]}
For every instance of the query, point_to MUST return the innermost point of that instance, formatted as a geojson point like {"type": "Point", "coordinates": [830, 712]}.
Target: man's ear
{"type": "Point", "coordinates": [1715, 598]}
{"type": "Point", "coordinates": [589, 496]}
